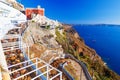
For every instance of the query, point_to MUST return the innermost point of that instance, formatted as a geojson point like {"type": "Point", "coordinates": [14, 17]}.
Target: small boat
{"type": "Point", "coordinates": [93, 41]}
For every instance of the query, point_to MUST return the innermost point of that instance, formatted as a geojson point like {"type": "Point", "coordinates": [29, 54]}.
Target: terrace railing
{"type": "Point", "coordinates": [34, 63]}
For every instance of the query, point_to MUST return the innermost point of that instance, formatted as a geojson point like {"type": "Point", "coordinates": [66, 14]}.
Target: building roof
{"type": "Point", "coordinates": [38, 7]}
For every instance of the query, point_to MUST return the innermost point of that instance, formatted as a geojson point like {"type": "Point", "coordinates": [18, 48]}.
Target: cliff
{"type": "Point", "coordinates": [52, 44]}
{"type": "Point", "coordinates": [73, 44]}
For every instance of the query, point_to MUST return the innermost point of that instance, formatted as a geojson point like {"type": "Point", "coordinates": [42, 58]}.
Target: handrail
{"type": "Point", "coordinates": [10, 44]}
{"type": "Point", "coordinates": [65, 72]}
{"type": "Point", "coordinates": [27, 73]}
{"type": "Point", "coordinates": [11, 36]}
{"type": "Point", "coordinates": [21, 63]}
{"type": "Point", "coordinates": [40, 74]}
{"type": "Point", "coordinates": [33, 65]}
{"type": "Point", "coordinates": [85, 70]}
{"type": "Point", "coordinates": [24, 67]}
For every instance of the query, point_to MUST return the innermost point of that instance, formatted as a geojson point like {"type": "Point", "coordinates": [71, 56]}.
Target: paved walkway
{"type": "Point", "coordinates": [77, 73]}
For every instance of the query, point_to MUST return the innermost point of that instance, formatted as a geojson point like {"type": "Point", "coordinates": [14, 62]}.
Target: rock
{"type": "Point", "coordinates": [13, 57]}
{"type": "Point", "coordinates": [17, 61]}
{"type": "Point", "coordinates": [23, 71]}
{"type": "Point", "coordinates": [21, 55]}
{"type": "Point", "coordinates": [16, 74]}
{"type": "Point", "coordinates": [18, 51]}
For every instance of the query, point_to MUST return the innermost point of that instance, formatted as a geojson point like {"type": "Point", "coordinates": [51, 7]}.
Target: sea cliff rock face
{"type": "Point", "coordinates": [73, 44]}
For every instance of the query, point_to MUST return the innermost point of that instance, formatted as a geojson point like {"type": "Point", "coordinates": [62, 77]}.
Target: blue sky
{"type": "Point", "coordinates": [79, 11]}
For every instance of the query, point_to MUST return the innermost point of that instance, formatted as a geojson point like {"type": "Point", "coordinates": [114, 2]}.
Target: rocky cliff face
{"type": "Point", "coordinates": [51, 44]}
{"type": "Point", "coordinates": [73, 44]}
{"type": "Point", "coordinates": [42, 42]}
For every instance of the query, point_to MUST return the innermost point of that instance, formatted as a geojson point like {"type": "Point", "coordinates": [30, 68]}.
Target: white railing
{"type": "Point", "coordinates": [34, 62]}
{"type": "Point", "coordinates": [10, 36]}
{"type": "Point", "coordinates": [10, 44]}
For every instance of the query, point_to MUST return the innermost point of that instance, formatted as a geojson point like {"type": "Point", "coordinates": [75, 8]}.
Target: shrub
{"type": "Point", "coordinates": [47, 27]}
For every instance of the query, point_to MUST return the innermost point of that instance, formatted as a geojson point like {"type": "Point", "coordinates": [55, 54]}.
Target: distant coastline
{"type": "Point", "coordinates": [95, 25]}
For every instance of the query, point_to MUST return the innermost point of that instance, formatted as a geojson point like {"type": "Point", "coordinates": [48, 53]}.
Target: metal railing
{"type": "Point", "coordinates": [32, 63]}
{"type": "Point", "coordinates": [11, 36]}
{"type": "Point", "coordinates": [85, 70]}
{"type": "Point", "coordinates": [70, 77]}
{"type": "Point", "coordinates": [35, 62]}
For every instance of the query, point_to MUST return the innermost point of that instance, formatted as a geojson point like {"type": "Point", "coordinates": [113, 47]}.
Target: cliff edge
{"type": "Point", "coordinates": [73, 44]}
{"type": "Point", "coordinates": [52, 44]}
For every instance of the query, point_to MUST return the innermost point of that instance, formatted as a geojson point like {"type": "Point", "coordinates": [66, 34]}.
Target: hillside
{"type": "Point", "coordinates": [52, 44]}
{"type": "Point", "coordinates": [73, 44]}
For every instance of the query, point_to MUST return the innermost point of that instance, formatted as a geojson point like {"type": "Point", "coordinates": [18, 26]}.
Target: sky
{"type": "Point", "coordinates": [79, 11]}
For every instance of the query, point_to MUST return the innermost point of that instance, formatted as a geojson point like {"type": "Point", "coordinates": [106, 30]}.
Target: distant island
{"type": "Point", "coordinates": [94, 25]}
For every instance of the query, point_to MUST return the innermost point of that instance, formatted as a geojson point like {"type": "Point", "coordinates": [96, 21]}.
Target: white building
{"type": "Point", "coordinates": [43, 20]}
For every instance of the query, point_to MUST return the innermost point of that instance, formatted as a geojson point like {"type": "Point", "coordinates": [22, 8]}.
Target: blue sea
{"type": "Point", "coordinates": [105, 39]}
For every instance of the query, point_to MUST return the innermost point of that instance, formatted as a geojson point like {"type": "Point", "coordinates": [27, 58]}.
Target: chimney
{"type": "Point", "coordinates": [38, 7]}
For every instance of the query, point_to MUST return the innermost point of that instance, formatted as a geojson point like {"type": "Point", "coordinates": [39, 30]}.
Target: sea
{"type": "Point", "coordinates": [105, 39]}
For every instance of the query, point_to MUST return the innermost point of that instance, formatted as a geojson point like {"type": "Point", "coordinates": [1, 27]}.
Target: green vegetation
{"type": "Point", "coordinates": [33, 21]}
{"type": "Point", "coordinates": [47, 27]}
